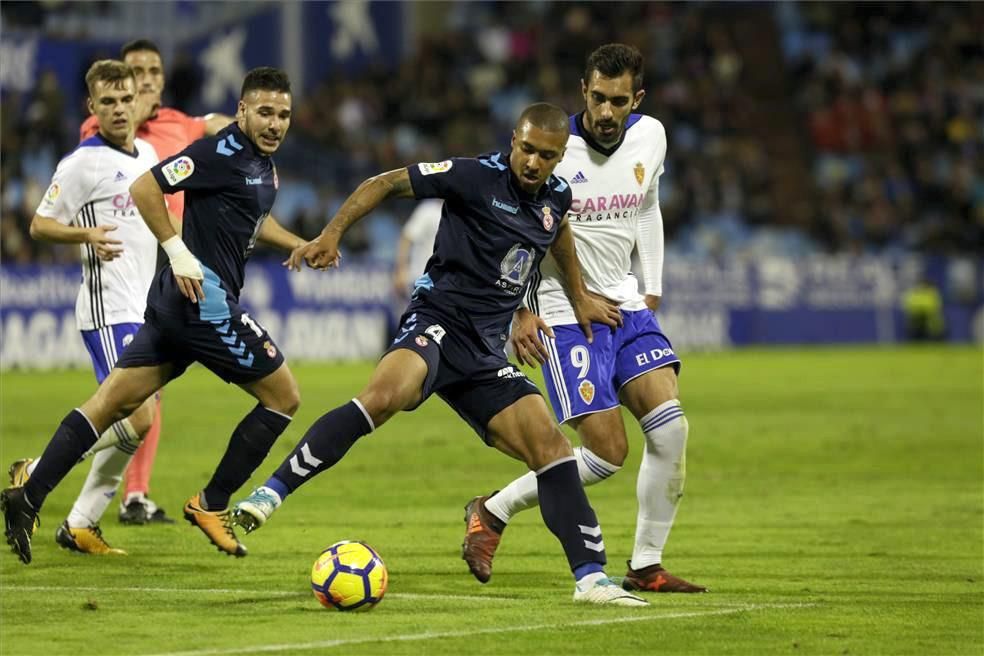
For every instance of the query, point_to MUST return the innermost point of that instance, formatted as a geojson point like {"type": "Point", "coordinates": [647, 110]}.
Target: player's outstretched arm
{"type": "Point", "coordinates": [44, 228]}
{"type": "Point", "coordinates": [272, 233]}
{"type": "Point", "coordinates": [322, 253]}
{"type": "Point", "coordinates": [588, 307]}
{"type": "Point", "coordinates": [149, 199]}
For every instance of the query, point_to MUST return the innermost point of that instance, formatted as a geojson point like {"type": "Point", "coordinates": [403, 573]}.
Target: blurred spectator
{"type": "Point", "coordinates": [890, 96]}
{"type": "Point", "coordinates": [923, 307]}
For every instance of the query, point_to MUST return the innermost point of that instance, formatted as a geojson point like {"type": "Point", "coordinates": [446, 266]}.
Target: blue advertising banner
{"type": "Point", "coordinates": [347, 314]}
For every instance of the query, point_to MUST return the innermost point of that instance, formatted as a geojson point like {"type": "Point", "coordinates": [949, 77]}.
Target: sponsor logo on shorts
{"type": "Point", "coordinates": [510, 372]}
{"type": "Point", "coordinates": [430, 168]}
{"type": "Point", "coordinates": [655, 355]}
{"type": "Point", "coordinates": [127, 339]}
{"type": "Point", "coordinates": [178, 170]}
{"type": "Point", "coordinates": [421, 341]}
{"type": "Point", "coordinates": [587, 391]}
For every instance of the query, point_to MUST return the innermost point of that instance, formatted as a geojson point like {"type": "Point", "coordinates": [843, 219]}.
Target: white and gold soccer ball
{"type": "Point", "coordinates": [349, 575]}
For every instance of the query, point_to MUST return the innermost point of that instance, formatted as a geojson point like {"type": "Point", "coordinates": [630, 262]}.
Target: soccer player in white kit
{"type": "Point", "coordinates": [88, 203]}
{"type": "Point", "coordinates": [613, 162]}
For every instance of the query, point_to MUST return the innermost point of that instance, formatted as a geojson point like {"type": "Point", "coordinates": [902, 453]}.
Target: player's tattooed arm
{"type": "Point", "coordinates": [322, 253]}
{"type": "Point", "coordinates": [588, 306]}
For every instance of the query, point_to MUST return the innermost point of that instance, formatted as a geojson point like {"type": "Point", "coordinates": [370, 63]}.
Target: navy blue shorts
{"type": "Point", "coordinates": [584, 378]}
{"type": "Point", "coordinates": [237, 349]}
{"type": "Point", "coordinates": [475, 381]}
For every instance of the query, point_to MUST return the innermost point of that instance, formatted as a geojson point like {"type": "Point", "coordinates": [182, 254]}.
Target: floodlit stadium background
{"type": "Point", "coordinates": [824, 159]}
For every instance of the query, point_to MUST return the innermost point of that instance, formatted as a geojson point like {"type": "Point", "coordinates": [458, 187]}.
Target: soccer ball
{"type": "Point", "coordinates": [349, 575]}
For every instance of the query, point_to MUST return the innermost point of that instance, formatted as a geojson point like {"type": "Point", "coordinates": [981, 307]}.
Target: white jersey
{"type": "Point", "coordinates": [421, 229]}
{"type": "Point", "coordinates": [91, 187]}
{"type": "Point", "coordinates": [615, 210]}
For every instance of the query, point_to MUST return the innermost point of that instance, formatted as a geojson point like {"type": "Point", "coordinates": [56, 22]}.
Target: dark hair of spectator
{"type": "Point", "coordinates": [265, 78]}
{"type": "Point", "coordinates": [109, 71]}
{"type": "Point", "coordinates": [138, 45]}
{"type": "Point", "coordinates": [615, 59]}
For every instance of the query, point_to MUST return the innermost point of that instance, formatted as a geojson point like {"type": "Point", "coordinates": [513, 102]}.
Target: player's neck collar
{"type": "Point", "coordinates": [578, 128]}
{"type": "Point", "coordinates": [107, 142]}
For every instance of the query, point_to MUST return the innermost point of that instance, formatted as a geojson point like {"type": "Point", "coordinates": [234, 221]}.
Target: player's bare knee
{"type": "Point", "coordinates": [612, 450]}
{"type": "Point", "coordinates": [142, 418]}
{"type": "Point", "coordinates": [546, 447]}
{"type": "Point", "coordinates": [381, 402]}
{"type": "Point", "coordinates": [289, 400]}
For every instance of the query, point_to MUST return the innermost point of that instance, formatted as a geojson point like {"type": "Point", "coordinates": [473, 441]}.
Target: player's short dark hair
{"type": "Point", "coordinates": [266, 78]}
{"type": "Point", "coordinates": [138, 45]}
{"type": "Point", "coordinates": [545, 116]}
{"type": "Point", "coordinates": [109, 71]}
{"type": "Point", "coordinates": [615, 59]}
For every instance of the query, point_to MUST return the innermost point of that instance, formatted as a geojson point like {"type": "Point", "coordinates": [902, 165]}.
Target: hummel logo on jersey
{"type": "Point", "coordinates": [119, 176]}
{"type": "Point", "coordinates": [498, 204]}
{"type": "Point", "coordinates": [254, 181]}
{"type": "Point", "coordinates": [580, 177]}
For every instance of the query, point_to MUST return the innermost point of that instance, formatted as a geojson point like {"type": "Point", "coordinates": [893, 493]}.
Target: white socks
{"type": "Point", "coordinates": [104, 476]}
{"type": "Point", "coordinates": [521, 494]}
{"type": "Point", "coordinates": [121, 435]}
{"type": "Point", "coordinates": [660, 483]}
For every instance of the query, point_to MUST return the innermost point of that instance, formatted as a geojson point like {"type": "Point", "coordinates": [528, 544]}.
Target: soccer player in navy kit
{"type": "Point", "coordinates": [502, 213]}
{"type": "Point", "coordinates": [193, 313]}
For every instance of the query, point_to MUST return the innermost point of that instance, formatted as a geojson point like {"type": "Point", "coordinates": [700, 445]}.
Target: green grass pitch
{"type": "Point", "coordinates": [834, 505]}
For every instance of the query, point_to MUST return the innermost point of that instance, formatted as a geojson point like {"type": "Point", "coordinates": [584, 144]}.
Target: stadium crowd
{"type": "Point", "coordinates": [889, 99]}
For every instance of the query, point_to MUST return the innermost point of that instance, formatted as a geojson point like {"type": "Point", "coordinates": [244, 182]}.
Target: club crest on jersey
{"type": "Point", "coordinates": [53, 192]}
{"type": "Point", "coordinates": [640, 172]}
{"type": "Point", "coordinates": [430, 168]}
{"type": "Point", "coordinates": [586, 389]}
{"type": "Point", "coordinates": [515, 269]}
{"type": "Point", "coordinates": [270, 349]}
{"type": "Point", "coordinates": [548, 220]}
{"type": "Point", "coordinates": [178, 170]}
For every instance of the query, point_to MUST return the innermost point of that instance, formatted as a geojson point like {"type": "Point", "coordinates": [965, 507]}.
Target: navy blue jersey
{"type": "Point", "coordinates": [491, 238]}
{"type": "Point", "coordinates": [229, 190]}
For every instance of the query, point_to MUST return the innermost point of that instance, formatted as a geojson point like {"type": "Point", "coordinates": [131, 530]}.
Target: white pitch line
{"type": "Point", "coordinates": [268, 593]}
{"type": "Point", "coordinates": [410, 637]}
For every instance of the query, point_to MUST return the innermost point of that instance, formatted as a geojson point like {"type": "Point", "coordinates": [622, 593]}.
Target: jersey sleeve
{"type": "Point", "coordinates": [451, 179]}
{"type": "Point", "coordinates": [70, 189]}
{"type": "Point", "coordinates": [199, 166]}
{"type": "Point", "coordinates": [649, 240]}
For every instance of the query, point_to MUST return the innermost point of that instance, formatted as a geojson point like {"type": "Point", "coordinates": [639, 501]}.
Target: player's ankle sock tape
{"type": "Point", "coordinates": [249, 445]}
{"type": "Point", "coordinates": [324, 444]}
{"type": "Point", "coordinates": [568, 515]}
{"type": "Point", "coordinates": [73, 437]}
